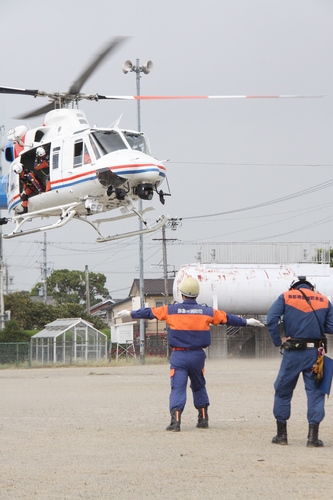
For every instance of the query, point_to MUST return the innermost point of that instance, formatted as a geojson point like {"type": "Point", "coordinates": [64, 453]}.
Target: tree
{"type": "Point", "coordinates": [13, 333]}
{"type": "Point", "coordinates": [19, 304]}
{"type": "Point", "coordinates": [35, 315]}
{"type": "Point", "coordinates": [69, 287]}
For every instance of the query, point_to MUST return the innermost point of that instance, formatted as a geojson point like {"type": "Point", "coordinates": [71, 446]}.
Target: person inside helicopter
{"type": "Point", "coordinates": [31, 185]}
{"type": "Point", "coordinates": [42, 167]}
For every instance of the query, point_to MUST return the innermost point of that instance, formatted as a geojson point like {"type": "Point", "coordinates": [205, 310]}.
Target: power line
{"type": "Point", "coordinates": [233, 164]}
{"type": "Point", "coordinates": [288, 197]}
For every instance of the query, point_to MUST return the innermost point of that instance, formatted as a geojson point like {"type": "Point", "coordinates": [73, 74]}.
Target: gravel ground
{"type": "Point", "coordinates": [99, 433]}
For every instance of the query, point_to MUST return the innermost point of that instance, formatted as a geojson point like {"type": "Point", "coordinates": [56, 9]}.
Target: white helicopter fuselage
{"type": "Point", "coordinates": [97, 169]}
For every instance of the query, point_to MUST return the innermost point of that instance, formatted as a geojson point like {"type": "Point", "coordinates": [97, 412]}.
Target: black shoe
{"type": "Point", "coordinates": [313, 440]}
{"type": "Point", "coordinates": [281, 437]}
{"type": "Point", "coordinates": [24, 211]}
{"type": "Point", "coordinates": [202, 417]}
{"type": "Point", "coordinates": [175, 420]}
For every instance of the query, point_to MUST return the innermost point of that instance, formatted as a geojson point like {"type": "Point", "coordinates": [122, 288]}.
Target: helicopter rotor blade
{"type": "Point", "coordinates": [37, 112]}
{"type": "Point", "coordinates": [77, 85]}
{"type": "Point", "coordinates": [34, 93]}
{"type": "Point", "coordinates": [161, 97]}
{"type": "Point", "coordinates": [18, 91]}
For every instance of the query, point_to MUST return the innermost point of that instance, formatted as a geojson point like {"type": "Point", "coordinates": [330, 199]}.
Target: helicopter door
{"type": "Point", "coordinates": [62, 160]}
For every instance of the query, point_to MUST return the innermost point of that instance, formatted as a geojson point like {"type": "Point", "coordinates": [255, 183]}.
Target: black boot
{"type": "Point", "coordinates": [281, 437]}
{"type": "Point", "coordinates": [313, 440]}
{"type": "Point", "coordinates": [175, 420]}
{"type": "Point", "coordinates": [202, 417]}
{"type": "Point", "coordinates": [24, 211]}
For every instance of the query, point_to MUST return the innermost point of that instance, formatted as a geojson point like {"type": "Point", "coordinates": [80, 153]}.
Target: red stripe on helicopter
{"type": "Point", "coordinates": [92, 172]}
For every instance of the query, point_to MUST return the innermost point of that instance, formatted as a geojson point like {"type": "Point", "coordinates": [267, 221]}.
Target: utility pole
{"type": "Point", "coordinates": [87, 290]}
{"type": "Point", "coordinates": [172, 224]}
{"type": "Point", "coordinates": [129, 67]}
{"type": "Point", "coordinates": [45, 270]}
{"type": "Point", "coordinates": [165, 267]}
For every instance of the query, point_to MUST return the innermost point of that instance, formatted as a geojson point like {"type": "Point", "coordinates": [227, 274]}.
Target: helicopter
{"type": "Point", "coordinates": [90, 170]}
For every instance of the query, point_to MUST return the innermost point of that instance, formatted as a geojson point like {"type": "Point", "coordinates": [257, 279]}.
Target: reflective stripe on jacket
{"type": "Point", "coordinates": [189, 322]}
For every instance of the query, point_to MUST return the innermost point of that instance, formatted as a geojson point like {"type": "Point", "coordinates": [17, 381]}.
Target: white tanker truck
{"type": "Point", "coordinates": [250, 290]}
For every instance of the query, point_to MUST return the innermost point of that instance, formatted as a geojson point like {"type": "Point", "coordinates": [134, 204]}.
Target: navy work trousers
{"type": "Point", "coordinates": [293, 363]}
{"type": "Point", "coordinates": [184, 365]}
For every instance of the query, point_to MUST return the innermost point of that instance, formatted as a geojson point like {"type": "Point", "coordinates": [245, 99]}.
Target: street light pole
{"type": "Point", "coordinates": [137, 69]}
{"type": "Point", "coordinates": [2, 303]}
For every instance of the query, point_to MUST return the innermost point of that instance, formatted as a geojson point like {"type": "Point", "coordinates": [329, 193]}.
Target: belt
{"type": "Point", "coordinates": [186, 348]}
{"type": "Point", "coordinates": [294, 343]}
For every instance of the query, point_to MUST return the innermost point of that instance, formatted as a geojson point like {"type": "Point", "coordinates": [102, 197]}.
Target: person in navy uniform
{"type": "Point", "coordinates": [306, 316]}
{"type": "Point", "coordinates": [189, 334]}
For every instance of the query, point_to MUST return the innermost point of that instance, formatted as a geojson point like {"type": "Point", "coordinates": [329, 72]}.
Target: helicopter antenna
{"type": "Point", "coordinates": [116, 123]}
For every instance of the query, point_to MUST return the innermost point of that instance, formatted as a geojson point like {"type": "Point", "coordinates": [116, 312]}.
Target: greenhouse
{"type": "Point", "coordinates": [68, 340]}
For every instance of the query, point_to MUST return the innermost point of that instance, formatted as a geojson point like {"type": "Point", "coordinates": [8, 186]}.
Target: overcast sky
{"type": "Point", "coordinates": [224, 155]}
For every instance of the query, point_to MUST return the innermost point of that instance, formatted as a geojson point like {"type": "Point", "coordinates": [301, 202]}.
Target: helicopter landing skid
{"type": "Point", "coordinates": [148, 229]}
{"type": "Point", "coordinates": [68, 212]}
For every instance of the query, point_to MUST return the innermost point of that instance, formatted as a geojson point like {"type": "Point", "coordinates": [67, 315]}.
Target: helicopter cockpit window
{"type": "Point", "coordinates": [108, 141]}
{"type": "Point", "coordinates": [137, 142]}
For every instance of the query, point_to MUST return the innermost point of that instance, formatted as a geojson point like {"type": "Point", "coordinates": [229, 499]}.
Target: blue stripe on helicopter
{"type": "Point", "coordinates": [64, 184]}
{"type": "Point", "coordinates": [3, 192]}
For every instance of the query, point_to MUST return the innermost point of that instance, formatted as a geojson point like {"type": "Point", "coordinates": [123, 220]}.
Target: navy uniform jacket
{"type": "Point", "coordinates": [299, 320]}
{"type": "Point", "coordinates": [189, 322]}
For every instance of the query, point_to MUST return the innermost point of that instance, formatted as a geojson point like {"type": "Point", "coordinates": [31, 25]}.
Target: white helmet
{"type": "Point", "coordinates": [18, 169]}
{"type": "Point", "coordinates": [40, 151]}
{"type": "Point", "coordinates": [190, 288]}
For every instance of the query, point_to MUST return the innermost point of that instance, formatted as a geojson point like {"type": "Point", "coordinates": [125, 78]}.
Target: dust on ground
{"type": "Point", "coordinates": [99, 433]}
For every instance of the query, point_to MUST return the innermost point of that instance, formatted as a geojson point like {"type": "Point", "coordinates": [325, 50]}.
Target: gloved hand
{"type": "Point", "coordinates": [254, 322]}
{"type": "Point", "coordinates": [123, 314]}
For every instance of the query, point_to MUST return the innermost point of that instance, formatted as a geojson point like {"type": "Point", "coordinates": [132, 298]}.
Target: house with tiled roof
{"type": "Point", "coordinates": [154, 296]}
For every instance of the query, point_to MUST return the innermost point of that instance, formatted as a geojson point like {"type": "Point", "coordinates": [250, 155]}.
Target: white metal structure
{"type": "Point", "coordinates": [250, 290]}
{"type": "Point", "coordinates": [68, 340]}
{"type": "Point", "coordinates": [123, 336]}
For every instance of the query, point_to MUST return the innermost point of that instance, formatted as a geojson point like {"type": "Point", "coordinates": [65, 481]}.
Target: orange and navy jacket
{"type": "Point", "coordinates": [30, 181]}
{"type": "Point", "coordinates": [42, 164]}
{"type": "Point", "coordinates": [189, 322]}
{"type": "Point", "coordinates": [299, 320]}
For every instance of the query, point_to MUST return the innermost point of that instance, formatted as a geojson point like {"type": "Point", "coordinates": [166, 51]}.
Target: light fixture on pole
{"type": "Point", "coordinates": [146, 68]}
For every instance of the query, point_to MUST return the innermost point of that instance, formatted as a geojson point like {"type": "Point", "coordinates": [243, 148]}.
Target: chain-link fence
{"type": "Point", "coordinates": [15, 353]}
{"type": "Point", "coordinates": [244, 342]}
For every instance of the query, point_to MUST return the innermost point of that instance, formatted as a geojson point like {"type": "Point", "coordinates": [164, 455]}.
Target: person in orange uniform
{"type": "Point", "coordinates": [31, 185]}
{"type": "Point", "coordinates": [42, 166]}
{"type": "Point", "coordinates": [189, 334]}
